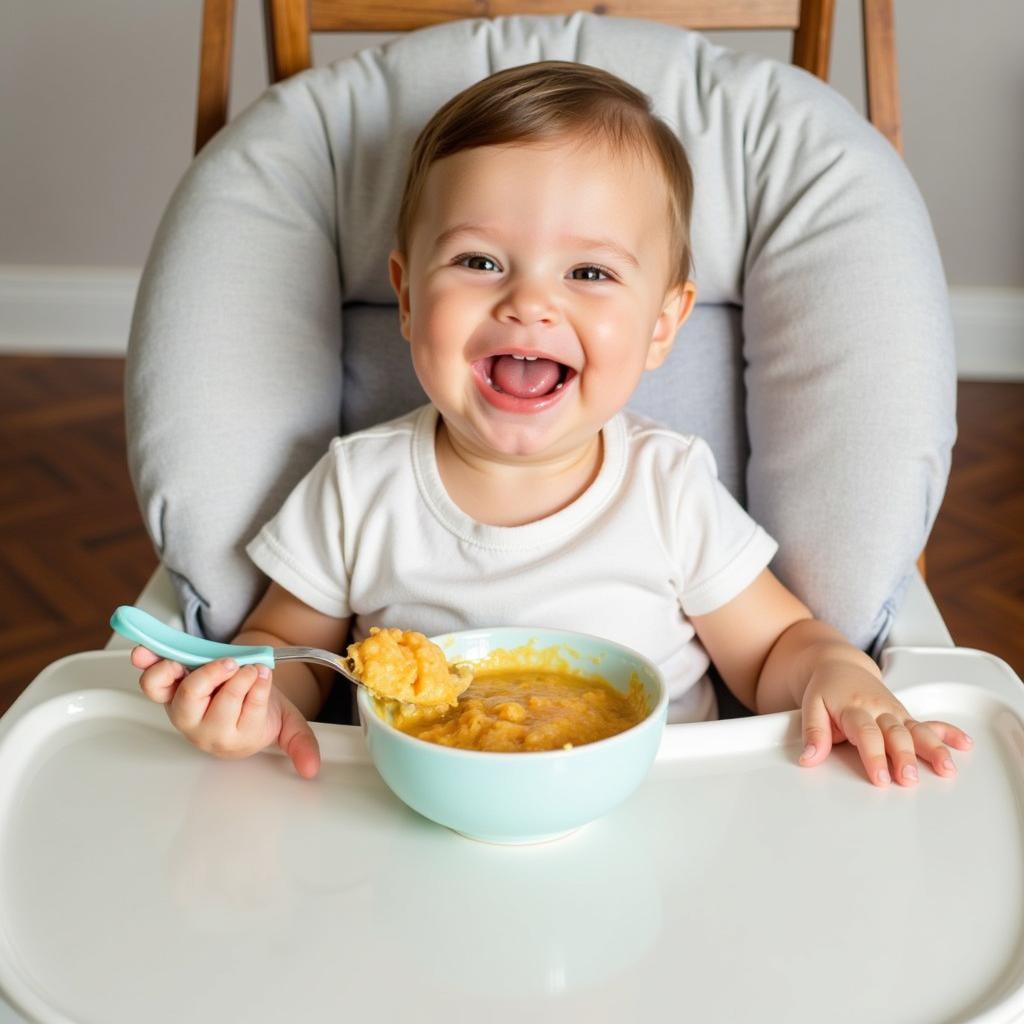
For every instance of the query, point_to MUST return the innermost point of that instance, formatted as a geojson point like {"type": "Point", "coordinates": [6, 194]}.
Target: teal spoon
{"type": "Point", "coordinates": [193, 651]}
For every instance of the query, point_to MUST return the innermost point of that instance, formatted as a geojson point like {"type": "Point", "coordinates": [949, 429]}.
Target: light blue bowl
{"type": "Point", "coordinates": [526, 797]}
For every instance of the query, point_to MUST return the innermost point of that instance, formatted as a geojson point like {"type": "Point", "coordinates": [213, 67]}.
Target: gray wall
{"type": "Point", "coordinates": [97, 103]}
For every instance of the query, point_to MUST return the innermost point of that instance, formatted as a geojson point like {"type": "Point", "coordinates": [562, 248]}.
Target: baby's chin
{"type": "Point", "coordinates": [518, 443]}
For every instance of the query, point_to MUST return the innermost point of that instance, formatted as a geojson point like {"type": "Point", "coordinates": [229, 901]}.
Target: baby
{"type": "Point", "coordinates": [542, 266]}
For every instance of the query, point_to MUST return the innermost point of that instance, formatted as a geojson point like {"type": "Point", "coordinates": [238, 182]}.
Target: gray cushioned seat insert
{"type": "Point", "coordinates": [822, 344]}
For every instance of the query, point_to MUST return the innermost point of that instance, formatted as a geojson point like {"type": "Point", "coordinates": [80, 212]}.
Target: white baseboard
{"type": "Point", "coordinates": [87, 311]}
{"type": "Point", "coordinates": [66, 311]}
{"type": "Point", "coordinates": [989, 327]}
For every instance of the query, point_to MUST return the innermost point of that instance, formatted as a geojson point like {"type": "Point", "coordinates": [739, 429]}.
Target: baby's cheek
{"type": "Point", "coordinates": [611, 380]}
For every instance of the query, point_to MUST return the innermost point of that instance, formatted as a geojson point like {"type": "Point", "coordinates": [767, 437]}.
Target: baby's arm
{"type": "Point", "coordinates": [775, 656]}
{"type": "Point", "coordinates": [233, 712]}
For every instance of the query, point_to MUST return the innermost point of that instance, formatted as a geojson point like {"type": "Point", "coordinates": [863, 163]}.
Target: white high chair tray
{"type": "Point", "coordinates": [141, 880]}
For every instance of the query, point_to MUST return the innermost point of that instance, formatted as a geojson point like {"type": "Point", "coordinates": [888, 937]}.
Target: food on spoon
{"type": "Point", "coordinates": [404, 665]}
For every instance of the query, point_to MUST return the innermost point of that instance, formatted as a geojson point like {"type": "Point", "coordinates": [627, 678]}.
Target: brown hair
{"type": "Point", "coordinates": [549, 100]}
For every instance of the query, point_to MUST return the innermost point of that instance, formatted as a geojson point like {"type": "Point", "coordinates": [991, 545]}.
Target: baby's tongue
{"type": "Point", "coordinates": [525, 378]}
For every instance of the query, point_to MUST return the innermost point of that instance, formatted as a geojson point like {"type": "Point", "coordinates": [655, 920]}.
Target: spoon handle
{"type": "Point", "coordinates": [191, 651]}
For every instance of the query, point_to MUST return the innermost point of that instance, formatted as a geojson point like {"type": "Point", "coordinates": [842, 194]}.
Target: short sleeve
{"type": "Point", "coordinates": [721, 550]}
{"type": "Point", "coordinates": [301, 547]}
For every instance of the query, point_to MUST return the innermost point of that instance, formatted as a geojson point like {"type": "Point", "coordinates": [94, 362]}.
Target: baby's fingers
{"type": "Point", "coordinates": [817, 730]}
{"type": "Point", "coordinates": [193, 694]}
{"type": "Point", "coordinates": [900, 745]}
{"type": "Point", "coordinates": [143, 657]}
{"type": "Point", "coordinates": [253, 716]}
{"type": "Point", "coordinates": [863, 732]}
{"type": "Point", "coordinates": [928, 737]}
{"type": "Point", "coordinates": [160, 679]}
{"type": "Point", "coordinates": [225, 709]}
{"type": "Point", "coordinates": [950, 734]}
{"type": "Point", "coordinates": [298, 741]}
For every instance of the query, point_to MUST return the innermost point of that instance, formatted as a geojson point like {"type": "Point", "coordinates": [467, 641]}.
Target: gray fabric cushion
{"type": "Point", "coordinates": [821, 347]}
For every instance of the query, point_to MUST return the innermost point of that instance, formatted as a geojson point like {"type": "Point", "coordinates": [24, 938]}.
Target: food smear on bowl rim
{"type": "Point", "coordinates": [525, 700]}
{"type": "Point", "coordinates": [404, 665]}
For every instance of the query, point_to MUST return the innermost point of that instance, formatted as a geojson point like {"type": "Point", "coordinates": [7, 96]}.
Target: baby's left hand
{"type": "Point", "coordinates": [844, 701]}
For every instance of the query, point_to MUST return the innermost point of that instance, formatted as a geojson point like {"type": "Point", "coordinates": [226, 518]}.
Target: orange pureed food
{"type": "Point", "coordinates": [404, 665]}
{"type": "Point", "coordinates": [519, 711]}
{"type": "Point", "coordinates": [512, 706]}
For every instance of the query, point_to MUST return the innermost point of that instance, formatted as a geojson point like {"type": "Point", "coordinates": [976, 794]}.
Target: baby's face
{"type": "Point", "coordinates": [534, 293]}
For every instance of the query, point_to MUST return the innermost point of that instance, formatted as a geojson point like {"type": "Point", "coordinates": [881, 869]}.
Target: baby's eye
{"type": "Point", "coordinates": [466, 261]}
{"type": "Point", "coordinates": [595, 270]}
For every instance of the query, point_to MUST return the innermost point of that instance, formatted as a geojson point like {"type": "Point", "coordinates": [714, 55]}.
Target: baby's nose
{"type": "Point", "coordinates": [528, 302]}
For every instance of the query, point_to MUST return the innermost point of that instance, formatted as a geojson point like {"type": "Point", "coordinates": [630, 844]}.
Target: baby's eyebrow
{"type": "Point", "coordinates": [605, 245]}
{"type": "Point", "coordinates": [599, 244]}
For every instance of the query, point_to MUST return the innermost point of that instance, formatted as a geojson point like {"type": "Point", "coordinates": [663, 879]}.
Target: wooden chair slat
{"type": "Point", "coordinates": [705, 15]}
{"type": "Point", "coordinates": [289, 46]}
{"type": "Point", "coordinates": [214, 69]}
{"type": "Point", "coordinates": [812, 40]}
{"type": "Point", "coordinates": [881, 70]}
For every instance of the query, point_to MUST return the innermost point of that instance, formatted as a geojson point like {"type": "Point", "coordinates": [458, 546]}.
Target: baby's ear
{"type": "Point", "coordinates": [400, 282]}
{"type": "Point", "coordinates": [675, 309]}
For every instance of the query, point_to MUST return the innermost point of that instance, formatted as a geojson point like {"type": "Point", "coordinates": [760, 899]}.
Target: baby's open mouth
{"type": "Point", "coordinates": [525, 376]}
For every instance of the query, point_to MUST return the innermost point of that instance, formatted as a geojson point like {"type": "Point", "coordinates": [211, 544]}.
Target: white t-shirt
{"type": "Point", "coordinates": [371, 532]}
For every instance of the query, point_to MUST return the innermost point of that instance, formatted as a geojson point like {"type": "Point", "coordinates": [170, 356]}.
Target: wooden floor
{"type": "Point", "coordinates": [72, 544]}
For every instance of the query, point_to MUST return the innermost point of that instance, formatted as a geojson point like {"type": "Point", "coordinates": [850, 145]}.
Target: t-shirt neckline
{"type": "Point", "coordinates": [559, 524]}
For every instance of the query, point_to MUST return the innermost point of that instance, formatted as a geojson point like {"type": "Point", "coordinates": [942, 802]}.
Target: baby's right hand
{"type": "Point", "coordinates": [228, 711]}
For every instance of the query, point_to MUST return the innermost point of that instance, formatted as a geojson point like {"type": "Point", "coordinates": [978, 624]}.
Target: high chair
{"type": "Point", "coordinates": [758, 358]}
{"type": "Point", "coordinates": [141, 880]}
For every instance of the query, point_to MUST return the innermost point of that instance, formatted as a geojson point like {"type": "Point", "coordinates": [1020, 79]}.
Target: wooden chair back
{"type": "Point", "coordinates": [290, 24]}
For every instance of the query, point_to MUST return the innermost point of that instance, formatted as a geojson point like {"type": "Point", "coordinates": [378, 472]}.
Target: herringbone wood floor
{"type": "Point", "coordinates": [72, 544]}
